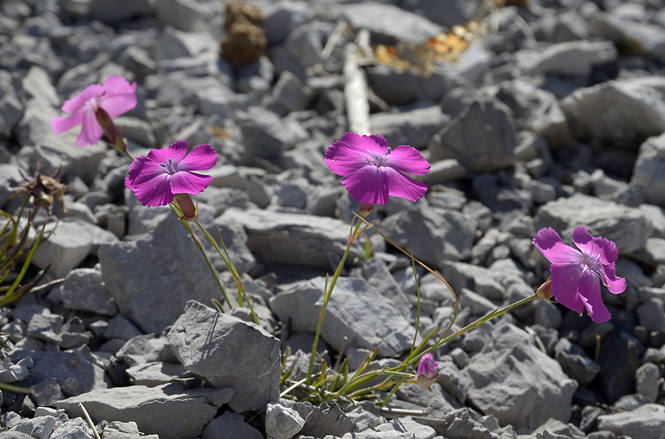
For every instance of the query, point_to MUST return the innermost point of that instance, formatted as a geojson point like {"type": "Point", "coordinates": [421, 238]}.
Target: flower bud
{"type": "Point", "coordinates": [545, 290]}
{"type": "Point", "coordinates": [187, 207]}
{"type": "Point", "coordinates": [110, 130]}
{"type": "Point", "coordinates": [365, 209]}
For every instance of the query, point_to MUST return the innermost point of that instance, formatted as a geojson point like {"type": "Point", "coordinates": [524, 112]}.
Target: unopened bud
{"type": "Point", "coordinates": [187, 207]}
{"type": "Point", "coordinates": [110, 130]}
{"type": "Point", "coordinates": [365, 209]}
{"type": "Point", "coordinates": [545, 290]}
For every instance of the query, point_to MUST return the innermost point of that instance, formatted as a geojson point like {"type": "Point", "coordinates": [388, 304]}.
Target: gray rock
{"type": "Point", "coordinates": [105, 12]}
{"type": "Point", "coordinates": [302, 49]}
{"type": "Point", "coordinates": [293, 193]}
{"type": "Point", "coordinates": [618, 112]}
{"type": "Point", "coordinates": [76, 428]}
{"type": "Point", "coordinates": [266, 135]}
{"type": "Point", "coordinates": [432, 235]}
{"type": "Point", "coordinates": [84, 290]}
{"type": "Point", "coordinates": [647, 381]}
{"type": "Point", "coordinates": [157, 373]}
{"type": "Point", "coordinates": [444, 171]}
{"type": "Point", "coordinates": [11, 107]}
{"type": "Point", "coordinates": [575, 362]}
{"type": "Point", "coordinates": [290, 93]}
{"type": "Point", "coordinates": [618, 360]}
{"type": "Point", "coordinates": [230, 425]}
{"type": "Point", "coordinates": [575, 58]}
{"type": "Point", "coordinates": [649, 169]}
{"type": "Point", "coordinates": [407, 424]}
{"type": "Point", "coordinates": [181, 14]}
{"type": "Point", "coordinates": [67, 246]}
{"type": "Point", "coordinates": [235, 240]}
{"type": "Point", "coordinates": [376, 273]}
{"type": "Point", "coordinates": [12, 373]}
{"type": "Point", "coordinates": [282, 18]}
{"type": "Point", "coordinates": [169, 411]}
{"type": "Point", "coordinates": [282, 422]}
{"type": "Point", "coordinates": [447, 13]}
{"type": "Point", "coordinates": [651, 314]}
{"type": "Point", "coordinates": [146, 349]}
{"type": "Point", "coordinates": [356, 312]}
{"type": "Point", "coordinates": [517, 383]}
{"type": "Point", "coordinates": [40, 428]}
{"type": "Point", "coordinates": [481, 135]}
{"type": "Point", "coordinates": [323, 420]}
{"type": "Point", "coordinates": [402, 88]}
{"type": "Point", "coordinates": [453, 381]}
{"type": "Point", "coordinates": [390, 24]}
{"type": "Point", "coordinates": [45, 326]}
{"type": "Point", "coordinates": [646, 422]}
{"type": "Point", "coordinates": [141, 278]}
{"type": "Point", "coordinates": [627, 227]}
{"type": "Point", "coordinates": [414, 127]}
{"type": "Point", "coordinates": [570, 26]}
{"type": "Point", "coordinates": [174, 44]}
{"type": "Point", "coordinates": [138, 61]}
{"type": "Point", "coordinates": [649, 38]}
{"type": "Point", "coordinates": [253, 374]}
{"type": "Point", "coordinates": [547, 314]}
{"type": "Point", "coordinates": [292, 239]}
{"type": "Point", "coordinates": [120, 327]}
{"type": "Point", "coordinates": [461, 423]}
{"type": "Point", "coordinates": [10, 179]}
{"type": "Point", "coordinates": [536, 110]}
{"type": "Point", "coordinates": [74, 372]}
{"type": "Point", "coordinates": [472, 277]}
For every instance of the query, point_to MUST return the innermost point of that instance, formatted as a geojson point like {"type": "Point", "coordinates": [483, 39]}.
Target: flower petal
{"type": "Point", "coordinates": [590, 290]}
{"type": "Point", "coordinates": [565, 286]}
{"type": "Point", "coordinates": [118, 104]}
{"type": "Point", "coordinates": [176, 151]}
{"type": "Point", "coordinates": [91, 91]}
{"type": "Point", "coordinates": [549, 243]}
{"type": "Point", "coordinates": [91, 130]}
{"type": "Point", "coordinates": [155, 192]}
{"type": "Point", "coordinates": [408, 159]}
{"type": "Point", "coordinates": [399, 185]}
{"type": "Point", "coordinates": [116, 84]}
{"type": "Point", "coordinates": [353, 151]}
{"type": "Point", "coordinates": [367, 185]}
{"type": "Point", "coordinates": [61, 124]}
{"type": "Point", "coordinates": [142, 170]}
{"type": "Point", "coordinates": [200, 158]}
{"type": "Point", "coordinates": [185, 182]}
{"type": "Point", "coordinates": [615, 285]}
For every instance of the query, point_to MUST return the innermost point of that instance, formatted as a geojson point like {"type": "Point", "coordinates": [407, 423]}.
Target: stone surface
{"type": "Point", "coordinates": [159, 410]}
{"type": "Point", "coordinates": [517, 383]}
{"type": "Point", "coordinates": [84, 290]}
{"type": "Point", "coordinates": [645, 422]}
{"type": "Point", "coordinates": [212, 345]}
{"type": "Point", "coordinates": [292, 239]}
{"type": "Point", "coordinates": [481, 135]}
{"type": "Point", "coordinates": [649, 169]}
{"type": "Point", "coordinates": [141, 278]}
{"type": "Point", "coordinates": [355, 312]}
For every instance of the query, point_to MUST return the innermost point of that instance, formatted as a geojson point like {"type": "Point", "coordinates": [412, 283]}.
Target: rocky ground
{"type": "Point", "coordinates": [553, 116]}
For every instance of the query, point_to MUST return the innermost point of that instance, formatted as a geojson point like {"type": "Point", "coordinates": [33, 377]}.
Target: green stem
{"type": "Point", "coordinates": [327, 293]}
{"type": "Point", "coordinates": [232, 270]}
{"type": "Point", "coordinates": [176, 210]}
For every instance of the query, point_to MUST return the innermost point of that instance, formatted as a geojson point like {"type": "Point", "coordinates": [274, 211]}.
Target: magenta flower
{"type": "Point", "coordinates": [575, 273]}
{"type": "Point", "coordinates": [372, 171]}
{"type": "Point", "coordinates": [115, 97]}
{"type": "Point", "coordinates": [428, 370]}
{"type": "Point", "coordinates": [163, 173]}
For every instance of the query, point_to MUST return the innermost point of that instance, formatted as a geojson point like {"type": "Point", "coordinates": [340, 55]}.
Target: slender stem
{"type": "Point", "coordinates": [198, 244]}
{"type": "Point", "coordinates": [327, 293]}
{"type": "Point", "coordinates": [232, 270]}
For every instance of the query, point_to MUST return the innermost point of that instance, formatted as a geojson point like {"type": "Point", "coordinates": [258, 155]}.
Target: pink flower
{"type": "Point", "coordinates": [575, 273]}
{"type": "Point", "coordinates": [116, 96]}
{"type": "Point", "coordinates": [163, 173]}
{"type": "Point", "coordinates": [428, 370]}
{"type": "Point", "coordinates": [372, 171]}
